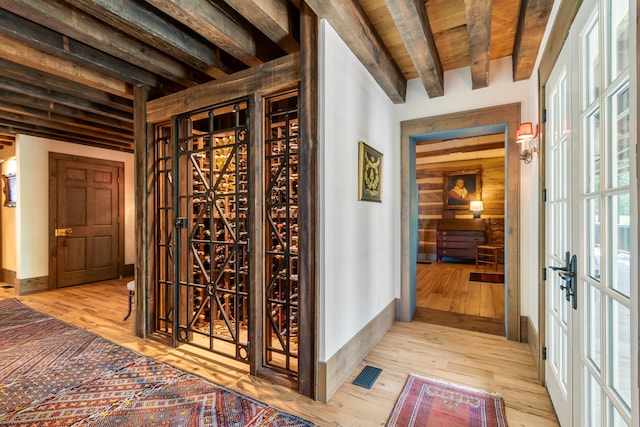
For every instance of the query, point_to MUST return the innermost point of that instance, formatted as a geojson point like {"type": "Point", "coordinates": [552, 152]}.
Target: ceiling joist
{"type": "Point", "coordinates": [68, 68]}
{"type": "Point", "coordinates": [534, 15]}
{"type": "Point", "coordinates": [136, 21]}
{"type": "Point", "coordinates": [353, 26]}
{"type": "Point", "coordinates": [479, 31]}
{"type": "Point", "coordinates": [411, 20]}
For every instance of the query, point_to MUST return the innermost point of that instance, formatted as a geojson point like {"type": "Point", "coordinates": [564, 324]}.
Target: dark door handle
{"type": "Point", "coordinates": [568, 273]}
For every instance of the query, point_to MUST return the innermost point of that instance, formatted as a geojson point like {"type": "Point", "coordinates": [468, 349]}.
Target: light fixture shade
{"type": "Point", "coordinates": [525, 132]}
{"type": "Point", "coordinates": [476, 205]}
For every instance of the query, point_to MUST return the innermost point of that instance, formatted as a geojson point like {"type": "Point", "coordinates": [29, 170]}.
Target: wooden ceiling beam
{"type": "Point", "coordinates": [80, 26]}
{"type": "Point", "coordinates": [132, 18]}
{"type": "Point", "coordinates": [215, 26]}
{"type": "Point", "coordinates": [54, 123]}
{"type": "Point", "coordinates": [272, 17]}
{"type": "Point", "coordinates": [82, 126]}
{"type": "Point", "coordinates": [37, 78]}
{"type": "Point", "coordinates": [534, 15]}
{"type": "Point", "coordinates": [478, 14]}
{"type": "Point", "coordinates": [63, 136]}
{"type": "Point", "coordinates": [19, 53]}
{"type": "Point", "coordinates": [51, 42]}
{"type": "Point", "coordinates": [410, 17]}
{"type": "Point", "coordinates": [353, 26]}
{"type": "Point", "coordinates": [16, 124]}
{"type": "Point", "coordinates": [50, 108]}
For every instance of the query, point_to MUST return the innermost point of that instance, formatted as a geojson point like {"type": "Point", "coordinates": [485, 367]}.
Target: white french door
{"type": "Point", "coordinates": [592, 217]}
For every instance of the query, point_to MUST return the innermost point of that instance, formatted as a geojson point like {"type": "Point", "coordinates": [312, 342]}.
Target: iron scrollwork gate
{"type": "Point", "coordinates": [211, 240]}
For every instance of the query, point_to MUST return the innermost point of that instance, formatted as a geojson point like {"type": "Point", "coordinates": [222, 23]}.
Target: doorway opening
{"type": "Point", "coordinates": [500, 119]}
{"type": "Point", "coordinates": [461, 212]}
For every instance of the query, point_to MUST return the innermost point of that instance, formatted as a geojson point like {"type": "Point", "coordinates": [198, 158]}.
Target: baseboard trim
{"type": "Point", "coordinates": [9, 276]}
{"type": "Point", "coordinates": [128, 270]}
{"type": "Point", "coordinates": [334, 372]}
{"type": "Point", "coordinates": [534, 346]}
{"type": "Point", "coordinates": [31, 285]}
{"type": "Point", "coordinates": [524, 329]}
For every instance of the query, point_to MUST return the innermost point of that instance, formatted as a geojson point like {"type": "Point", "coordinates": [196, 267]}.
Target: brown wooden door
{"type": "Point", "coordinates": [87, 214]}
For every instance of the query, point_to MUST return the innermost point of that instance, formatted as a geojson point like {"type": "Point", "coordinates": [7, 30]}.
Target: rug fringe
{"type": "Point", "coordinates": [465, 387]}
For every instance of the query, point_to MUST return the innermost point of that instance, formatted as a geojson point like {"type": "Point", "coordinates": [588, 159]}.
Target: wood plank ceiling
{"type": "Point", "coordinates": [68, 67]}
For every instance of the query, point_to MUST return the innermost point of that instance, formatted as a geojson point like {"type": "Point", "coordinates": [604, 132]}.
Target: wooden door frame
{"type": "Point", "coordinates": [508, 118]}
{"type": "Point", "coordinates": [53, 209]}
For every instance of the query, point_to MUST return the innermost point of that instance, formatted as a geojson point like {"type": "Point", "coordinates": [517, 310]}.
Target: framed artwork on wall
{"type": "Point", "coordinates": [369, 173]}
{"type": "Point", "coordinates": [461, 187]}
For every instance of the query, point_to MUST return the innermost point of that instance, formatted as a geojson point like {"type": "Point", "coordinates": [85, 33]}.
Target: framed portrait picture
{"type": "Point", "coordinates": [461, 187]}
{"type": "Point", "coordinates": [369, 173]}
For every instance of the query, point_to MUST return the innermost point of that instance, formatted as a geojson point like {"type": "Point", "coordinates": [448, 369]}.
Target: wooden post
{"type": "Point", "coordinates": [308, 241]}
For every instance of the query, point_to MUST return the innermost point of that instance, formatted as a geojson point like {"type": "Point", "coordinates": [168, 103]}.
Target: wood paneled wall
{"type": "Point", "coordinates": [430, 167]}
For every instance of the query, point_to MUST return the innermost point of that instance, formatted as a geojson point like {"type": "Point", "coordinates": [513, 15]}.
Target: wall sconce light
{"type": "Point", "coordinates": [476, 206]}
{"type": "Point", "coordinates": [525, 135]}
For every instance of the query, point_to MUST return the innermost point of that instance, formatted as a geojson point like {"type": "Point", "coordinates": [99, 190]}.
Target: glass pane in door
{"type": "Point", "coordinates": [617, 37]}
{"type": "Point", "coordinates": [593, 312]}
{"type": "Point", "coordinates": [592, 142]}
{"type": "Point", "coordinates": [619, 349]}
{"type": "Point", "coordinates": [591, 48]}
{"type": "Point", "coordinates": [619, 244]}
{"type": "Point", "coordinates": [593, 394]}
{"type": "Point", "coordinates": [594, 246]}
{"type": "Point", "coordinates": [619, 137]}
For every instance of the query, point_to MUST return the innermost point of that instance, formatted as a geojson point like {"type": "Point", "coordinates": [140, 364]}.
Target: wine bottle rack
{"type": "Point", "coordinates": [281, 213]}
{"type": "Point", "coordinates": [210, 205]}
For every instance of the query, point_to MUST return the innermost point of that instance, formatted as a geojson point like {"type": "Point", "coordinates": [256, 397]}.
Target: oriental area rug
{"type": "Point", "coordinates": [53, 373]}
{"type": "Point", "coordinates": [429, 403]}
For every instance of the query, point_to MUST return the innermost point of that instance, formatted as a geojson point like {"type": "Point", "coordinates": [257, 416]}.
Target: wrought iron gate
{"type": "Point", "coordinates": [204, 226]}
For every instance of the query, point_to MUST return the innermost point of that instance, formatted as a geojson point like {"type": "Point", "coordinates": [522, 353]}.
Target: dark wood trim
{"type": "Point", "coordinates": [509, 116]}
{"type": "Point", "coordinates": [559, 32]}
{"type": "Point", "coordinates": [353, 26]}
{"type": "Point", "coordinates": [144, 191]}
{"type": "Point", "coordinates": [53, 221]}
{"type": "Point", "coordinates": [256, 214]}
{"type": "Point", "coordinates": [283, 73]}
{"type": "Point", "coordinates": [308, 174]}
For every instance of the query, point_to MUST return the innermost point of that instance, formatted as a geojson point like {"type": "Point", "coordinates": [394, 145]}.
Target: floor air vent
{"type": "Point", "coordinates": [367, 377]}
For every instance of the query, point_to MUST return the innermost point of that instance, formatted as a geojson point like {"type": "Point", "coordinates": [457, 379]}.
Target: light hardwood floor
{"type": "Point", "coordinates": [446, 286]}
{"type": "Point", "coordinates": [473, 359]}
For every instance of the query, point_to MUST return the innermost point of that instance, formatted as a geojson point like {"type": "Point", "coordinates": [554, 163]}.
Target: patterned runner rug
{"type": "Point", "coordinates": [426, 402]}
{"type": "Point", "coordinates": [53, 373]}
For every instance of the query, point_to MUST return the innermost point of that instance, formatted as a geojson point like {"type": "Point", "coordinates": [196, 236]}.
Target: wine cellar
{"type": "Point", "coordinates": [217, 216]}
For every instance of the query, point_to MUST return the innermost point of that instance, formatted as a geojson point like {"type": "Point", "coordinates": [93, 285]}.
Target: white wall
{"type": "Point", "coordinates": [360, 241]}
{"type": "Point", "coordinates": [501, 90]}
{"type": "Point", "coordinates": [32, 220]}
